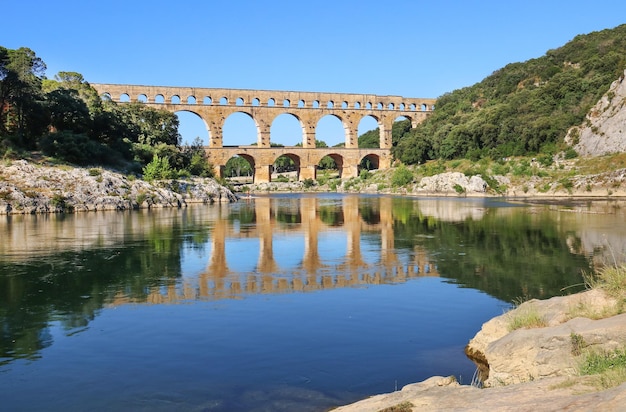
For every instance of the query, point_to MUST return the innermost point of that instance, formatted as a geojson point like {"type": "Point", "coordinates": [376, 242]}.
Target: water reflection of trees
{"type": "Point", "coordinates": [71, 287]}
{"type": "Point", "coordinates": [506, 252]}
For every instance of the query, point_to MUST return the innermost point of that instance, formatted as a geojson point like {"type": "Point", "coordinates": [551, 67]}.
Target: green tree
{"type": "Point", "coordinates": [21, 95]}
{"type": "Point", "coordinates": [158, 168]}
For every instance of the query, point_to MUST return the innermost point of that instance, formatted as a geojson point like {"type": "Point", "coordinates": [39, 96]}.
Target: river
{"type": "Point", "coordinates": [276, 303]}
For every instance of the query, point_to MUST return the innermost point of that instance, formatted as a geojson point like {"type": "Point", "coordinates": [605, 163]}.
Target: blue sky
{"type": "Point", "coordinates": [408, 48]}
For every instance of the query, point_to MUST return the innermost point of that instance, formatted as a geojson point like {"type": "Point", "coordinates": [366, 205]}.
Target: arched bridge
{"type": "Point", "coordinates": [214, 106]}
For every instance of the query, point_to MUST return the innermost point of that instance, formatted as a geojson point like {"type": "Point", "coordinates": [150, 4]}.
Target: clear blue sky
{"type": "Point", "coordinates": [410, 48]}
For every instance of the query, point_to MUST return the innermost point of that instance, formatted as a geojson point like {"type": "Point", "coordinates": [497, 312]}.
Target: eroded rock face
{"type": "Point", "coordinates": [604, 130]}
{"type": "Point", "coordinates": [547, 395]}
{"type": "Point", "coordinates": [27, 188]}
{"type": "Point", "coordinates": [452, 182]}
{"type": "Point", "coordinates": [506, 357]}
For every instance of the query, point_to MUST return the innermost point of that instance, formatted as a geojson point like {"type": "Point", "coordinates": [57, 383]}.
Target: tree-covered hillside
{"type": "Point", "coordinates": [523, 108]}
{"type": "Point", "coordinates": [66, 119]}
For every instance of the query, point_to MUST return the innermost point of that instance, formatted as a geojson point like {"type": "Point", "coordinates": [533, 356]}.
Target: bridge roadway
{"type": "Point", "coordinates": [214, 106]}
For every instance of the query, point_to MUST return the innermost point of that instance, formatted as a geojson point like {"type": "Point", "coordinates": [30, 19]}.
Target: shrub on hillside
{"type": "Point", "coordinates": [76, 148]}
{"type": "Point", "coordinates": [159, 168]}
{"type": "Point", "coordinates": [401, 176]}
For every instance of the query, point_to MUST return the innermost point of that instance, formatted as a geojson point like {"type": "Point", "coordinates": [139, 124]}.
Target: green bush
{"type": "Point", "coordinates": [570, 153]}
{"type": "Point", "coordinates": [199, 165]}
{"type": "Point", "coordinates": [545, 160]}
{"type": "Point", "coordinates": [159, 168]}
{"type": "Point", "coordinates": [402, 176]}
{"type": "Point", "coordinates": [76, 148]}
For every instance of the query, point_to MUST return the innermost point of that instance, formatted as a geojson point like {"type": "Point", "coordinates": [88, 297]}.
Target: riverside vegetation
{"type": "Point", "coordinates": [517, 133]}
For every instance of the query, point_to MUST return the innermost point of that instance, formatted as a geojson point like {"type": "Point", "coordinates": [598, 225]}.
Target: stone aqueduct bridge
{"type": "Point", "coordinates": [214, 106]}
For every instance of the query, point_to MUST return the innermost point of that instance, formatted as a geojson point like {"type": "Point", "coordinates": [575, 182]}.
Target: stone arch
{"type": "Point", "coordinates": [296, 164]}
{"type": "Point", "coordinates": [235, 125]}
{"type": "Point", "coordinates": [124, 98]}
{"type": "Point", "coordinates": [402, 118]}
{"type": "Point", "coordinates": [191, 100]}
{"type": "Point", "coordinates": [327, 130]}
{"type": "Point", "coordinates": [282, 128]}
{"type": "Point", "coordinates": [186, 119]}
{"type": "Point", "coordinates": [159, 98]}
{"type": "Point", "coordinates": [175, 99]}
{"type": "Point", "coordinates": [207, 100]}
{"type": "Point", "coordinates": [239, 101]}
{"type": "Point", "coordinates": [370, 162]}
{"type": "Point", "coordinates": [369, 123]}
{"type": "Point", "coordinates": [338, 161]}
{"type": "Point", "coordinates": [142, 98]}
{"type": "Point", "coordinates": [238, 173]}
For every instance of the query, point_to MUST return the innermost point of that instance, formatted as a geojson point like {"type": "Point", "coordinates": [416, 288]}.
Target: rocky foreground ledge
{"type": "Point", "coordinates": [28, 188]}
{"type": "Point", "coordinates": [528, 369]}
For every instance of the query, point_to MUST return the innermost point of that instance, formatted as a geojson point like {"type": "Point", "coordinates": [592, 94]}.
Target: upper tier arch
{"type": "Point", "coordinates": [214, 105]}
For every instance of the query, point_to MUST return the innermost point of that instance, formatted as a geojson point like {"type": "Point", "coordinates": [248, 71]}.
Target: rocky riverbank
{"type": "Point", "coordinates": [602, 177]}
{"type": "Point", "coordinates": [534, 367]}
{"type": "Point", "coordinates": [27, 188]}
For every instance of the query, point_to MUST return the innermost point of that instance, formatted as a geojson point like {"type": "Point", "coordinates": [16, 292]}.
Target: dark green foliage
{"type": "Point", "coordinates": [523, 108]}
{"type": "Point", "coordinates": [66, 118]}
{"type": "Point", "coordinates": [402, 176]}
{"type": "Point", "coordinates": [371, 138]}
{"type": "Point", "coordinates": [77, 148]}
{"type": "Point", "coordinates": [22, 113]}
{"type": "Point", "coordinates": [308, 183]}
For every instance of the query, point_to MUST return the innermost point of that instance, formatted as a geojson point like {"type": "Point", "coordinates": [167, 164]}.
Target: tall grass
{"type": "Point", "coordinates": [611, 279]}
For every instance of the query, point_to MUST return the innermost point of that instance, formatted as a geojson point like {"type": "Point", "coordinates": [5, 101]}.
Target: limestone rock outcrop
{"type": "Point", "coordinates": [27, 188]}
{"type": "Point", "coordinates": [604, 130]}
{"type": "Point", "coordinates": [506, 357]}
{"type": "Point", "coordinates": [451, 182]}
{"type": "Point", "coordinates": [547, 395]}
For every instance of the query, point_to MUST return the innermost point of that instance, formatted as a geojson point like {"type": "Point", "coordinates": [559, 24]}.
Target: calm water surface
{"type": "Point", "coordinates": [278, 303]}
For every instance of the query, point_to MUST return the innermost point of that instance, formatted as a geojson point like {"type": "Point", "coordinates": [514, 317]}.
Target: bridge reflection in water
{"type": "Point", "coordinates": [307, 218]}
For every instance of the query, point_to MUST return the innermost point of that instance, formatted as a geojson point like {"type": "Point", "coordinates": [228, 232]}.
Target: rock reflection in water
{"type": "Point", "coordinates": [68, 267]}
{"type": "Point", "coordinates": [273, 288]}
